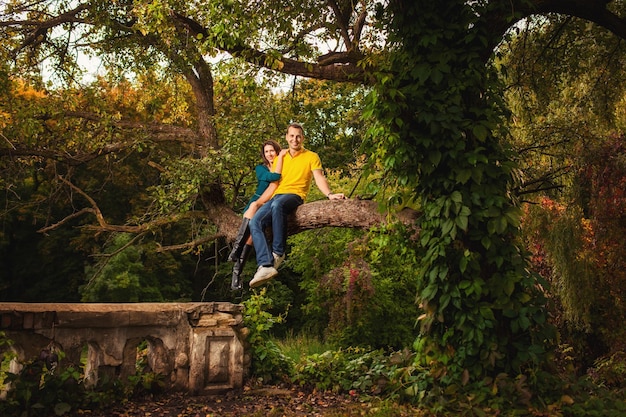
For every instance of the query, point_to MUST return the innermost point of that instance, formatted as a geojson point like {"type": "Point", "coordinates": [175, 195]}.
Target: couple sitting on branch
{"type": "Point", "coordinates": [284, 180]}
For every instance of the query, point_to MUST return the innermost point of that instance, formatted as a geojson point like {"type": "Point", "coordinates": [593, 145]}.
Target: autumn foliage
{"type": "Point", "coordinates": [577, 244]}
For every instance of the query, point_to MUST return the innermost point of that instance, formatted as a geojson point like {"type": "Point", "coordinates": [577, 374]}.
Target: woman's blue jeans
{"type": "Point", "coordinates": [273, 213]}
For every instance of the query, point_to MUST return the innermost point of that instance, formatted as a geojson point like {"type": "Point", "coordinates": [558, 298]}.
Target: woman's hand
{"type": "Point", "coordinates": [252, 208]}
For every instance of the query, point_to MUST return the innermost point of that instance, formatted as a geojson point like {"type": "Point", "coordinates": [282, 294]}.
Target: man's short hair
{"type": "Point", "coordinates": [295, 125]}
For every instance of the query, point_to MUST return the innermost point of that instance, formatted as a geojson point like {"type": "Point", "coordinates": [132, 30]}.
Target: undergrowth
{"type": "Point", "coordinates": [44, 387]}
{"type": "Point", "coordinates": [396, 377]}
{"type": "Point", "coordinates": [393, 377]}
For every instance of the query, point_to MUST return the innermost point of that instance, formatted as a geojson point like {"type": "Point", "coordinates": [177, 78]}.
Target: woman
{"type": "Point", "coordinates": [242, 246]}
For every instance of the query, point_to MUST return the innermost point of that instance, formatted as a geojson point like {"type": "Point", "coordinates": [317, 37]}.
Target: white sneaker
{"type": "Point", "coordinates": [263, 273]}
{"type": "Point", "coordinates": [278, 260]}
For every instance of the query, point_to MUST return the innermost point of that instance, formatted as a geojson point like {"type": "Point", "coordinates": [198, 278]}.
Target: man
{"type": "Point", "coordinates": [300, 166]}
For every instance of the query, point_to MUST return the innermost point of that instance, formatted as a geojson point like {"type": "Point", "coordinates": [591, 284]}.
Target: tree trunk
{"type": "Point", "coordinates": [201, 81]}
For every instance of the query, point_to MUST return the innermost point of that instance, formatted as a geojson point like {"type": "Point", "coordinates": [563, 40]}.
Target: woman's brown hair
{"type": "Point", "coordinates": [274, 145]}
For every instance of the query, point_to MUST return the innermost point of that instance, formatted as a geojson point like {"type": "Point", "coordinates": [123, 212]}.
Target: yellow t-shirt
{"type": "Point", "coordinates": [297, 173]}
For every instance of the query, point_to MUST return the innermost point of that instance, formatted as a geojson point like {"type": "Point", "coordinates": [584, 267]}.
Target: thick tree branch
{"type": "Point", "coordinates": [593, 10]}
{"type": "Point", "coordinates": [157, 132]}
{"type": "Point", "coordinates": [351, 213]}
{"type": "Point", "coordinates": [348, 71]}
{"type": "Point", "coordinates": [41, 27]}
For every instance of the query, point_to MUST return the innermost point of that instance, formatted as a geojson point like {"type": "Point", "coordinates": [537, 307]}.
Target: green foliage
{"type": "Point", "coordinates": [115, 183]}
{"type": "Point", "coordinates": [331, 116]}
{"type": "Point", "coordinates": [437, 131]}
{"type": "Point", "coordinates": [312, 255]}
{"type": "Point", "coordinates": [610, 371]}
{"type": "Point", "coordinates": [565, 86]}
{"type": "Point", "coordinates": [269, 364]}
{"type": "Point", "coordinates": [130, 271]}
{"type": "Point", "coordinates": [299, 346]}
{"type": "Point", "coordinates": [37, 392]}
{"type": "Point", "coordinates": [47, 386]}
{"type": "Point", "coordinates": [576, 239]}
{"type": "Point", "coordinates": [5, 359]}
{"type": "Point", "coordinates": [585, 398]}
{"type": "Point", "coordinates": [357, 369]}
{"type": "Point", "coordinates": [395, 377]}
{"type": "Point", "coordinates": [181, 184]}
{"type": "Point", "coordinates": [541, 393]}
{"type": "Point", "coordinates": [359, 288]}
{"type": "Point", "coordinates": [561, 232]}
{"type": "Point", "coordinates": [43, 388]}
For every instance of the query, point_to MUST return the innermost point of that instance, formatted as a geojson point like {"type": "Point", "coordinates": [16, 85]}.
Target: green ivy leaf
{"type": "Point", "coordinates": [447, 226]}
{"type": "Point", "coordinates": [462, 222]}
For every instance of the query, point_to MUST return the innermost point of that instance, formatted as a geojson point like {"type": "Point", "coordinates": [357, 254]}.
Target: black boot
{"type": "Point", "coordinates": [235, 283]}
{"type": "Point", "coordinates": [240, 240]}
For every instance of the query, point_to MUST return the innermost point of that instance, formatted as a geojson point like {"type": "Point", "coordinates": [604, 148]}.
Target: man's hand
{"type": "Point", "coordinates": [338, 196]}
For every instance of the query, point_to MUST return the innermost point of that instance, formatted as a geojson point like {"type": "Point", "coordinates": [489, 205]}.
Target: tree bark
{"type": "Point", "coordinates": [201, 80]}
{"type": "Point", "coordinates": [351, 213]}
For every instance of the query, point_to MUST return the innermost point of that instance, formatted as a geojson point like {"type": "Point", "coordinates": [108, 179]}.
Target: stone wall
{"type": "Point", "coordinates": [196, 347]}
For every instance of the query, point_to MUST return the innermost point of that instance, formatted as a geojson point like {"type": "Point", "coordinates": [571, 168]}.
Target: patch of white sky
{"type": "Point", "coordinates": [89, 64]}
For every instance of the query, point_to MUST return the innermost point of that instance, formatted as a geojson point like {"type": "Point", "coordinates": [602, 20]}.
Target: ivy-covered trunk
{"type": "Point", "coordinates": [438, 131]}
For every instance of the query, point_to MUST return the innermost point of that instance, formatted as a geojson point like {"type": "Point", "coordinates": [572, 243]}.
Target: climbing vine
{"type": "Point", "coordinates": [438, 133]}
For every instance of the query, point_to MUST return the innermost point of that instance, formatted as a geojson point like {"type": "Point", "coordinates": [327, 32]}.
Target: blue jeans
{"type": "Point", "coordinates": [273, 213]}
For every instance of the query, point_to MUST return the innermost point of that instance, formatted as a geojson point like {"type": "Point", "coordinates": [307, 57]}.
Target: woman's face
{"type": "Point", "coordinates": [269, 152]}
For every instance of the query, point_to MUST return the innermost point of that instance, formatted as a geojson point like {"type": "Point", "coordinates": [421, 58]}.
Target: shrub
{"type": "Point", "coordinates": [268, 362]}
{"type": "Point", "coordinates": [43, 387]}
{"type": "Point", "coordinates": [347, 370]}
{"type": "Point", "coordinates": [360, 288]}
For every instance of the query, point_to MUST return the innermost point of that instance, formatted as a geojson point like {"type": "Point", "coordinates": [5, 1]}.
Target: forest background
{"type": "Point", "coordinates": [501, 127]}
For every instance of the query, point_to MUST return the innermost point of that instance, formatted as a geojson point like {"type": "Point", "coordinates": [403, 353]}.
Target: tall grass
{"type": "Point", "coordinates": [298, 346]}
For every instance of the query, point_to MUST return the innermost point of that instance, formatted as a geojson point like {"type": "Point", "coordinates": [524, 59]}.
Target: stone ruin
{"type": "Point", "coordinates": [195, 347]}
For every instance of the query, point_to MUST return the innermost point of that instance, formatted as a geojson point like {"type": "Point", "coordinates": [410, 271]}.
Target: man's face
{"type": "Point", "coordinates": [294, 138]}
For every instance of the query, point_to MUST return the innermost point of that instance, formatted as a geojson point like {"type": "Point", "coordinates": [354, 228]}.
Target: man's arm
{"type": "Point", "coordinates": [322, 184]}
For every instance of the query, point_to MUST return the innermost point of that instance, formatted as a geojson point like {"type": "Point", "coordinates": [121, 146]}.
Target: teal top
{"type": "Point", "coordinates": [264, 177]}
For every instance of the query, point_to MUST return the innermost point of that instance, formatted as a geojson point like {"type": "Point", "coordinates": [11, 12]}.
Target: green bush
{"type": "Point", "coordinates": [269, 364]}
{"type": "Point", "coordinates": [359, 287]}
{"type": "Point", "coordinates": [44, 387]}
{"type": "Point", "coordinates": [398, 377]}
{"type": "Point", "coordinates": [344, 370]}
{"type": "Point", "coordinates": [134, 272]}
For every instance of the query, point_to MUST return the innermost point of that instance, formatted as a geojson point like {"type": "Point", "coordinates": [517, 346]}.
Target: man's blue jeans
{"type": "Point", "coordinates": [273, 213]}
